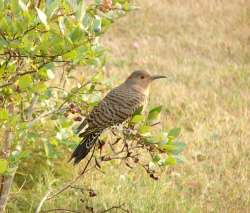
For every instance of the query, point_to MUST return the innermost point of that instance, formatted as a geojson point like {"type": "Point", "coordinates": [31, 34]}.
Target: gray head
{"type": "Point", "coordinates": [142, 78]}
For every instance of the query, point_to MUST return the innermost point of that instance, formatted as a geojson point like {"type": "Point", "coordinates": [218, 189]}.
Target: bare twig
{"type": "Point", "coordinates": [155, 124]}
{"type": "Point", "coordinates": [3, 36]}
{"type": "Point", "coordinates": [38, 209]}
{"type": "Point", "coordinates": [116, 141]}
{"type": "Point", "coordinates": [60, 209]}
{"type": "Point", "coordinates": [81, 188]}
{"type": "Point", "coordinates": [38, 3]}
{"type": "Point", "coordinates": [6, 84]}
{"type": "Point", "coordinates": [6, 183]}
{"type": "Point", "coordinates": [116, 207]}
{"type": "Point", "coordinates": [13, 79]}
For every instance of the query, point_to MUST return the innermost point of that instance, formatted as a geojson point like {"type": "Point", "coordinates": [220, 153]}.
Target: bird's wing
{"type": "Point", "coordinates": [115, 108]}
{"type": "Point", "coordinates": [82, 125]}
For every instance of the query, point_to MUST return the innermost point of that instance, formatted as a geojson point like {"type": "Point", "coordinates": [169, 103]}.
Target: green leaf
{"type": "Point", "coordinates": [49, 150]}
{"type": "Point", "coordinates": [156, 158]}
{"type": "Point", "coordinates": [159, 138]}
{"type": "Point", "coordinates": [98, 77]}
{"type": "Point", "coordinates": [46, 148]}
{"type": "Point", "coordinates": [15, 7]}
{"type": "Point", "coordinates": [150, 140]}
{"type": "Point", "coordinates": [86, 21]}
{"type": "Point", "coordinates": [174, 148]}
{"type": "Point", "coordinates": [98, 2]}
{"type": "Point", "coordinates": [138, 111]}
{"type": "Point", "coordinates": [179, 147]}
{"type": "Point", "coordinates": [154, 113]}
{"type": "Point", "coordinates": [22, 5]}
{"type": "Point", "coordinates": [170, 160]}
{"type": "Point", "coordinates": [76, 34]}
{"type": "Point", "coordinates": [3, 165]}
{"type": "Point", "coordinates": [180, 159]}
{"type": "Point", "coordinates": [51, 7]}
{"type": "Point", "coordinates": [73, 4]}
{"type": "Point", "coordinates": [126, 6]}
{"type": "Point", "coordinates": [40, 87]}
{"type": "Point", "coordinates": [47, 72]}
{"type": "Point", "coordinates": [65, 123]}
{"type": "Point", "coordinates": [50, 74]}
{"type": "Point", "coordinates": [137, 119]}
{"type": "Point", "coordinates": [61, 24]}
{"type": "Point", "coordinates": [174, 132]}
{"type": "Point", "coordinates": [62, 134]}
{"type": "Point", "coordinates": [169, 148]}
{"type": "Point", "coordinates": [4, 114]}
{"type": "Point", "coordinates": [97, 26]}
{"type": "Point", "coordinates": [19, 155]}
{"type": "Point", "coordinates": [25, 81]}
{"type": "Point", "coordinates": [81, 10]}
{"type": "Point", "coordinates": [54, 142]}
{"type": "Point", "coordinates": [42, 16]}
{"type": "Point", "coordinates": [145, 130]}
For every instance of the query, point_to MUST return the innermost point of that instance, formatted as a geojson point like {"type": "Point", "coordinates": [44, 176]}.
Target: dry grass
{"type": "Point", "coordinates": [204, 47]}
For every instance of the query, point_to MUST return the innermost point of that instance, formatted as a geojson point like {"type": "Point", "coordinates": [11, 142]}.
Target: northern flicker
{"type": "Point", "coordinates": [116, 107]}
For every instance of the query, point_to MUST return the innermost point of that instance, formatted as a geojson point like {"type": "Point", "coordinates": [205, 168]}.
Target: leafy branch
{"type": "Point", "coordinates": [128, 149]}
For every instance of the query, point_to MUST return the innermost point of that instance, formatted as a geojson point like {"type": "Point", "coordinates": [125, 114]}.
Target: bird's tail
{"type": "Point", "coordinates": [88, 141]}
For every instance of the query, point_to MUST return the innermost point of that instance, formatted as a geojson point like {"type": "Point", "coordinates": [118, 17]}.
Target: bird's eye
{"type": "Point", "coordinates": [142, 77]}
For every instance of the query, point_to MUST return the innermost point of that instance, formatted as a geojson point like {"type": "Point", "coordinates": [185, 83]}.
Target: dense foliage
{"type": "Point", "coordinates": [44, 93]}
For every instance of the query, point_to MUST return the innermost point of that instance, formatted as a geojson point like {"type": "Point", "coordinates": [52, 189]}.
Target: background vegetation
{"type": "Point", "coordinates": [204, 48]}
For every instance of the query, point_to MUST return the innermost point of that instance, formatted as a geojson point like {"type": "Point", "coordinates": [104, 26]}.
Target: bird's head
{"type": "Point", "coordinates": [142, 78]}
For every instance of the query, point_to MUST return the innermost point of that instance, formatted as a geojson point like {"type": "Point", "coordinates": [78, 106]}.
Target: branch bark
{"type": "Point", "coordinates": [5, 190]}
{"type": "Point", "coordinates": [38, 209]}
{"type": "Point", "coordinates": [60, 209]}
{"type": "Point", "coordinates": [6, 180]}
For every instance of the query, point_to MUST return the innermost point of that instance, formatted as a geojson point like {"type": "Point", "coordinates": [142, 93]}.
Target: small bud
{"type": "Point", "coordinates": [91, 209]}
{"type": "Point", "coordinates": [128, 165]}
{"type": "Point", "coordinates": [18, 89]}
{"type": "Point", "coordinates": [105, 158]}
{"type": "Point", "coordinates": [72, 105]}
{"type": "Point", "coordinates": [72, 110]}
{"type": "Point", "coordinates": [136, 160]}
{"type": "Point", "coordinates": [78, 118]}
{"type": "Point", "coordinates": [92, 193]}
{"type": "Point", "coordinates": [101, 143]}
{"type": "Point", "coordinates": [77, 110]}
{"type": "Point", "coordinates": [154, 177]}
{"type": "Point", "coordinates": [1, 99]}
{"type": "Point", "coordinates": [106, 5]}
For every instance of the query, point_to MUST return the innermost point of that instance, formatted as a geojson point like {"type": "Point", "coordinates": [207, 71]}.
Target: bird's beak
{"type": "Point", "coordinates": [158, 76]}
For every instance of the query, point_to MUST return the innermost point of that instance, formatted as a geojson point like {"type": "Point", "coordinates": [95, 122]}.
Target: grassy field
{"type": "Point", "coordinates": [204, 48]}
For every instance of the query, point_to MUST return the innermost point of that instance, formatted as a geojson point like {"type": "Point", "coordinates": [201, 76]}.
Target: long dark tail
{"type": "Point", "coordinates": [88, 141]}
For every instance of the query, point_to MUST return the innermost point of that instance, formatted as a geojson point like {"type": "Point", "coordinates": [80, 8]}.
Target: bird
{"type": "Point", "coordinates": [115, 108]}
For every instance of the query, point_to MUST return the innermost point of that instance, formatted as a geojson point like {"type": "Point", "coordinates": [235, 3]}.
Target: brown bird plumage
{"type": "Point", "coordinates": [116, 107]}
